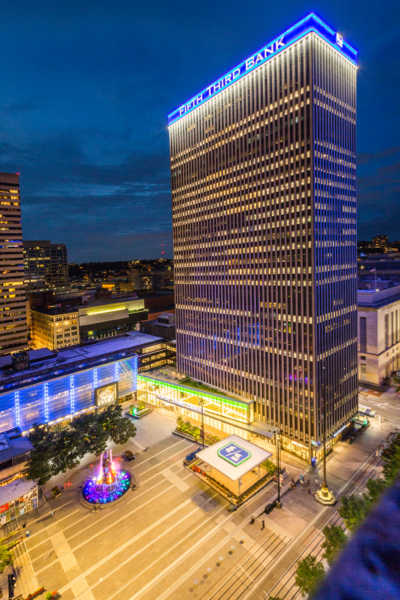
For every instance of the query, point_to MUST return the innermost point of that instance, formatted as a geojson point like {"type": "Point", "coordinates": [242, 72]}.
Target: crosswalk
{"type": "Point", "coordinates": [26, 579]}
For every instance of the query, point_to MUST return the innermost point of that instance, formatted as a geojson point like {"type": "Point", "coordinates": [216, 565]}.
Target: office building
{"type": "Point", "coordinates": [13, 330]}
{"type": "Point", "coordinates": [263, 171]}
{"type": "Point", "coordinates": [378, 334]}
{"type": "Point", "coordinates": [46, 267]}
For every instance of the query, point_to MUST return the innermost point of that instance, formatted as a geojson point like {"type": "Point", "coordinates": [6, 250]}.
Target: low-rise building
{"type": "Point", "coordinates": [58, 327]}
{"type": "Point", "coordinates": [54, 328]}
{"type": "Point", "coordinates": [163, 326]}
{"type": "Point", "coordinates": [378, 334]}
{"type": "Point", "coordinates": [73, 380]}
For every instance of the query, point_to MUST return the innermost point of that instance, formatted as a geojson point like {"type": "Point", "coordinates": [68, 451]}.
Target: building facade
{"type": "Point", "coordinates": [66, 383]}
{"type": "Point", "coordinates": [13, 329]}
{"type": "Point", "coordinates": [263, 171]}
{"type": "Point", "coordinates": [378, 335]}
{"type": "Point", "coordinates": [54, 328]}
{"type": "Point", "coordinates": [46, 267]}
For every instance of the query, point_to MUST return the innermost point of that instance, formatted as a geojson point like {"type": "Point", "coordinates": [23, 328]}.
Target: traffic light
{"type": "Point", "coordinates": [11, 585]}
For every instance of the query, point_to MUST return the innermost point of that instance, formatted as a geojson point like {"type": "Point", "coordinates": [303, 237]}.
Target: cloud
{"type": "Point", "coordinates": [364, 158]}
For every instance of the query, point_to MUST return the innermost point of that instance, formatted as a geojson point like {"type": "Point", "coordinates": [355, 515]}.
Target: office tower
{"type": "Point", "coordinates": [46, 267]}
{"type": "Point", "coordinates": [263, 170]}
{"type": "Point", "coordinates": [13, 330]}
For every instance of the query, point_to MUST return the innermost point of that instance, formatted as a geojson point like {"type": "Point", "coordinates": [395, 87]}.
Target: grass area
{"type": "Point", "coordinates": [204, 388]}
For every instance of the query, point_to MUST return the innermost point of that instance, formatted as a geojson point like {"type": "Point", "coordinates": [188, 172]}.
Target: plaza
{"type": "Point", "coordinates": [173, 537]}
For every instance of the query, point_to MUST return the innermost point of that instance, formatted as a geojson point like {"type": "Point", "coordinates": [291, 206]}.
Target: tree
{"type": "Point", "coordinates": [60, 448]}
{"type": "Point", "coordinates": [309, 574]}
{"type": "Point", "coordinates": [375, 488]}
{"type": "Point", "coordinates": [395, 382]}
{"type": "Point", "coordinates": [120, 429]}
{"type": "Point", "coordinates": [392, 466]}
{"type": "Point", "coordinates": [353, 511]}
{"type": "Point", "coordinates": [335, 540]}
{"type": "Point", "coordinates": [6, 558]}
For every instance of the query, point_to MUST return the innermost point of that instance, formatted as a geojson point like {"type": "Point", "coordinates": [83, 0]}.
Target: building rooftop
{"type": "Point", "coordinates": [10, 447]}
{"type": "Point", "coordinates": [377, 298]}
{"type": "Point", "coordinates": [15, 489]}
{"type": "Point", "coordinates": [73, 359]}
{"type": "Point", "coordinates": [311, 23]}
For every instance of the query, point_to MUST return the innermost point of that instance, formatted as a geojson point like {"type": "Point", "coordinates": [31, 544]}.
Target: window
{"type": "Point", "coordinates": [387, 331]}
{"type": "Point", "coordinates": [363, 334]}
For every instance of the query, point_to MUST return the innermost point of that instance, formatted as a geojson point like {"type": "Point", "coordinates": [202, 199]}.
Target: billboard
{"type": "Point", "coordinates": [106, 394]}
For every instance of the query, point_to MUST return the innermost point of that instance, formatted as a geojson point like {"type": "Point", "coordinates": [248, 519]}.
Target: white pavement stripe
{"type": "Point", "coordinates": [132, 556]}
{"type": "Point", "coordinates": [111, 526]}
{"type": "Point", "coordinates": [205, 558]}
{"type": "Point", "coordinates": [166, 571]}
{"type": "Point", "coordinates": [131, 541]}
{"type": "Point", "coordinates": [109, 511]}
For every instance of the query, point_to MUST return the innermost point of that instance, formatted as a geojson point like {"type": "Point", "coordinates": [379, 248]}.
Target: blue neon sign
{"type": "Point", "coordinates": [301, 29]}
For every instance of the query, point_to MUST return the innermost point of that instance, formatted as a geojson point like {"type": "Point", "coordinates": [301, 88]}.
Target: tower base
{"type": "Point", "coordinates": [324, 496]}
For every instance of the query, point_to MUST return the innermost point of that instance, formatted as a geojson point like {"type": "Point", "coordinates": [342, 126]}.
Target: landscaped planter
{"type": "Point", "coordinates": [34, 594]}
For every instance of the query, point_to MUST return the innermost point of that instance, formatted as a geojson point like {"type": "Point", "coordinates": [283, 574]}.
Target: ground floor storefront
{"type": "Point", "coordinates": [17, 498]}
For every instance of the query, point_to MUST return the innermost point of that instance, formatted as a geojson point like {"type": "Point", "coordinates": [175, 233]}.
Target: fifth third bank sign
{"type": "Point", "coordinates": [234, 454]}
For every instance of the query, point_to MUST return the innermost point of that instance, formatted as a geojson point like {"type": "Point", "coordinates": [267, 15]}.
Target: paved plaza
{"type": "Point", "coordinates": [174, 537]}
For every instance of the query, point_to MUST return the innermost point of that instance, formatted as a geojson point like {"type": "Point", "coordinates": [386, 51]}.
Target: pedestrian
{"type": "Point", "coordinates": [377, 453]}
{"type": "Point", "coordinates": [263, 524]}
{"type": "Point", "coordinates": [309, 491]}
{"type": "Point", "coordinates": [293, 481]}
{"type": "Point", "coordinates": [252, 521]}
{"type": "Point", "coordinates": [308, 481]}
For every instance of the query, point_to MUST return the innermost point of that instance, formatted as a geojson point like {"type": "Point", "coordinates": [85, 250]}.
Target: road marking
{"type": "Point", "coordinates": [111, 511]}
{"type": "Point", "coordinates": [187, 553]}
{"type": "Point", "coordinates": [132, 540]}
{"type": "Point", "coordinates": [113, 524]}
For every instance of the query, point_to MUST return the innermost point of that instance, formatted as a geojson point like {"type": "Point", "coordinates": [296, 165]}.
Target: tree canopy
{"type": "Point", "coordinates": [335, 539]}
{"type": "Point", "coordinates": [309, 574]}
{"type": "Point", "coordinates": [59, 448]}
{"type": "Point", "coordinates": [6, 558]}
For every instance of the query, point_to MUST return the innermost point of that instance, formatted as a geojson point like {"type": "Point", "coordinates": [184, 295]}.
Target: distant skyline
{"type": "Point", "coordinates": [86, 89]}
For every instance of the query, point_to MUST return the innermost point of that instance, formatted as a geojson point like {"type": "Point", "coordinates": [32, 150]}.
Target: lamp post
{"type": "Point", "coordinates": [278, 503]}
{"type": "Point", "coordinates": [323, 495]}
{"type": "Point", "coordinates": [201, 403]}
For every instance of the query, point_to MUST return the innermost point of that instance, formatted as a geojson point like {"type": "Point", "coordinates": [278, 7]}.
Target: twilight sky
{"type": "Point", "coordinates": [86, 88]}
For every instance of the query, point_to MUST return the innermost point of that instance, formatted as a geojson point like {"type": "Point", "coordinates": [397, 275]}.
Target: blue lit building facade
{"type": "Point", "coordinates": [263, 171]}
{"type": "Point", "coordinates": [59, 397]}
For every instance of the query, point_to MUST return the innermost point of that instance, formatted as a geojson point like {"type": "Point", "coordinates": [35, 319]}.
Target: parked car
{"type": "Point", "coordinates": [129, 455]}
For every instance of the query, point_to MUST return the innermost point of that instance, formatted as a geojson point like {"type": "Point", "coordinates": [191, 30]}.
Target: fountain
{"type": "Point", "coordinates": [109, 486]}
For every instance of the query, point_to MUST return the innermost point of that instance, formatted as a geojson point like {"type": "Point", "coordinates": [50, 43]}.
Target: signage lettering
{"type": "Point", "coordinates": [307, 25]}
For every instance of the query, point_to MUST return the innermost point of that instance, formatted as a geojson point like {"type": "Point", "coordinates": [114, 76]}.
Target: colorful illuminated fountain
{"type": "Point", "coordinates": [109, 485]}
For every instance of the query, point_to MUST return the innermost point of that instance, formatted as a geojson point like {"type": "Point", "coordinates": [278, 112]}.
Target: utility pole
{"type": "Point", "coordinates": [278, 503]}
{"type": "Point", "coordinates": [323, 495]}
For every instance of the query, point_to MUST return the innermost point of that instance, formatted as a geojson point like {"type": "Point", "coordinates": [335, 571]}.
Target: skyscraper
{"type": "Point", "coordinates": [46, 267]}
{"type": "Point", "coordinates": [13, 330]}
{"type": "Point", "coordinates": [263, 169]}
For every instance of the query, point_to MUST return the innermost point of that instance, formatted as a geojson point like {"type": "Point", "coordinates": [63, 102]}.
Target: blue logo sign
{"type": "Point", "coordinates": [234, 454]}
{"type": "Point", "coordinates": [310, 24]}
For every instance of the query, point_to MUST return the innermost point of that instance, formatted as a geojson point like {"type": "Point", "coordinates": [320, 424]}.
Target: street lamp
{"type": "Point", "coordinates": [201, 403]}
{"type": "Point", "coordinates": [323, 495]}
{"type": "Point", "coordinates": [278, 503]}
